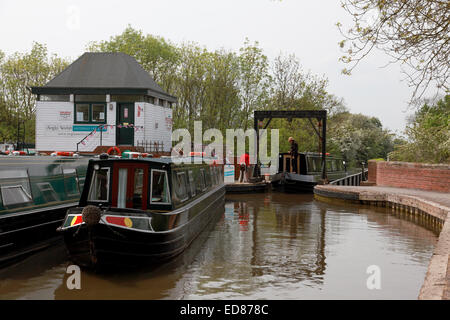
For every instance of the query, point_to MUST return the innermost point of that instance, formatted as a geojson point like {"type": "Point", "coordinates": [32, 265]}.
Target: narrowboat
{"type": "Point", "coordinates": [140, 211]}
{"type": "Point", "coordinates": [35, 193]}
{"type": "Point", "coordinates": [309, 174]}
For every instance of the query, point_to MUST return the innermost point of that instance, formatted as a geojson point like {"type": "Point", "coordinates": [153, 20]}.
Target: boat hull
{"type": "Point", "coordinates": [294, 183]}
{"type": "Point", "coordinates": [105, 246]}
{"type": "Point", "coordinates": [25, 233]}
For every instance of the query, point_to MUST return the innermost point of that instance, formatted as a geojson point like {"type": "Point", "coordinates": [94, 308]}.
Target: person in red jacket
{"type": "Point", "coordinates": [244, 163]}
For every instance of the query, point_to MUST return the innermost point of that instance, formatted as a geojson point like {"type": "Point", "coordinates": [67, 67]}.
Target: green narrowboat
{"type": "Point", "coordinates": [309, 173]}
{"type": "Point", "coordinates": [35, 193]}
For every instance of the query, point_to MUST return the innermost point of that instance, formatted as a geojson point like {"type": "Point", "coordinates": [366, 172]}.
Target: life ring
{"type": "Point", "coordinates": [19, 153]}
{"type": "Point", "coordinates": [62, 154]}
{"type": "Point", "coordinates": [116, 149]}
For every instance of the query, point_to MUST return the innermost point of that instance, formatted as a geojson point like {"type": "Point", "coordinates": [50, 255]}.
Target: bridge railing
{"type": "Point", "coordinates": [353, 179]}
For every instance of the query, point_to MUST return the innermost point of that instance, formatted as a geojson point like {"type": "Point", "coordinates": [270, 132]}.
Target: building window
{"type": "Point", "coordinates": [82, 113]}
{"type": "Point", "coordinates": [90, 113]}
{"type": "Point", "coordinates": [128, 98]}
{"type": "Point", "coordinates": [54, 97]}
{"type": "Point", "coordinates": [98, 113]}
{"type": "Point", "coordinates": [90, 98]}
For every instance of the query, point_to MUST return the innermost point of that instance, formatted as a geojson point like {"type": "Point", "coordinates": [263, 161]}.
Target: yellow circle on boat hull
{"type": "Point", "coordinates": [128, 222]}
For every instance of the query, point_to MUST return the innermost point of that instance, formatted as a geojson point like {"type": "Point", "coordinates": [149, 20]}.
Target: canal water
{"type": "Point", "coordinates": [260, 246]}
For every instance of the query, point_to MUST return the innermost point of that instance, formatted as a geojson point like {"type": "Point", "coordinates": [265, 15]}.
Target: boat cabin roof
{"type": "Point", "coordinates": [157, 161]}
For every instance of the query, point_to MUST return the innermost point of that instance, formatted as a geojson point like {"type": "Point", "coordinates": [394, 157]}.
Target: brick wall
{"type": "Point", "coordinates": [433, 177]}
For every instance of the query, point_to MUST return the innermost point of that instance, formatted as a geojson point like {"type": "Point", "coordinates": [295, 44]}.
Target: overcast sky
{"type": "Point", "coordinates": [305, 28]}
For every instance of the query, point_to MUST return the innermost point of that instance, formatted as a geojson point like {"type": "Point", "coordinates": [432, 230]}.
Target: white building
{"type": "Point", "coordinates": [102, 99]}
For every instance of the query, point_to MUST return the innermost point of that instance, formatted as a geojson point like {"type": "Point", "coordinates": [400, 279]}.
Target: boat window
{"type": "Point", "coordinates": [318, 162]}
{"type": "Point", "coordinates": [334, 165]}
{"type": "Point", "coordinates": [81, 182]}
{"type": "Point", "coordinates": [12, 195]}
{"type": "Point", "coordinates": [329, 168]}
{"type": "Point", "coordinates": [48, 192]}
{"type": "Point", "coordinates": [213, 176]}
{"type": "Point", "coordinates": [180, 187]}
{"type": "Point", "coordinates": [219, 174]}
{"type": "Point", "coordinates": [191, 183]}
{"type": "Point", "coordinates": [122, 192]}
{"type": "Point", "coordinates": [15, 180]}
{"type": "Point", "coordinates": [100, 185]}
{"type": "Point", "coordinates": [138, 186]}
{"type": "Point", "coordinates": [71, 182]}
{"type": "Point", "coordinates": [159, 187]}
{"type": "Point", "coordinates": [201, 185]}
{"type": "Point", "coordinates": [207, 173]}
{"type": "Point", "coordinates": [312, 165]}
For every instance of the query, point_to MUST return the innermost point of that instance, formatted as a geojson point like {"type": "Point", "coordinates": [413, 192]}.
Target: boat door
{"type": "Point", "coordinates": [130, 186]}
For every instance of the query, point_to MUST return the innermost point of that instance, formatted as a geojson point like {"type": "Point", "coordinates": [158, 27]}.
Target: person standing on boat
{"type": "Point", "coordinates": [244, 163]}
{"type": "Point", "coordinates": [294, 154]}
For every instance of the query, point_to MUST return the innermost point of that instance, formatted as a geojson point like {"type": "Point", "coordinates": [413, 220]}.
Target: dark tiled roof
{"type": "Point", "coordinates": [100, 72]}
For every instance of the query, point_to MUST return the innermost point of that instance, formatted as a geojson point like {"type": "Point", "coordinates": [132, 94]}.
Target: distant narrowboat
{"type": "Point", "coordinates": [135, 211]}
{"type": "Point", "coordinates": [35, 193]}
{"type": "Point", "coordinates": [309, 173]}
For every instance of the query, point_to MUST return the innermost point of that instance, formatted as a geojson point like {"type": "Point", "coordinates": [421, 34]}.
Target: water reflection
{"type": "Point", "coordinates": [265, 246]}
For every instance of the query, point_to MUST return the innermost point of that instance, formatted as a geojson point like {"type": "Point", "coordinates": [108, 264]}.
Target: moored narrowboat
{"type": "Point", "coordinates": [35, 193]}
{"type": "Point", "coordinates": [309, 173]}
{"type": "Point", "coordinates": [135, 211]}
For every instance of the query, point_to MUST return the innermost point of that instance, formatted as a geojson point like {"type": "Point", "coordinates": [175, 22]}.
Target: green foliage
{"type": "Point", "coordinates": [414, 33]}
{"type": "Point", "coordinates": [428, 135]}
{"type": "Point", "coordinates": [18, 73]}
{"type": "Point", "coordinates": [156, 55]}
{"type": "Point", "coordinates": [359, 137]}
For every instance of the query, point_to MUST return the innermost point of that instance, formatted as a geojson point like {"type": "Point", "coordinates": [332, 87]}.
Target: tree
{"type": "Point", "coordinates": [18, 73]}
{"type": "Point", "coordinates": [359, 137]}
{"type": "Point", "coordinates": [294, 89]}
{"type": "Point", "coordinates": [412, 32]}
{"type": "Point", "coordinates": [254, 80]}
{"type": "Point", "coordinates": [156, 55]}
{"type": "Point", "coordinates": [222, 104]}
{"type": "Point", "coordinates": [428, 135]}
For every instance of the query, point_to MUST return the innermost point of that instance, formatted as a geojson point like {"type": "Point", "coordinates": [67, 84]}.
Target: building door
{"type": "Point", "coordinates": [125, 124]}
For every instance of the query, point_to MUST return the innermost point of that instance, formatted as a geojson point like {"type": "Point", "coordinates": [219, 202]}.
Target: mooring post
{"type": "Point", "coordinates": [324, 147]}
{"type": "Point", "coordinates": [256, 127]}
{"type": "Point", "coordinates": [101, 135]}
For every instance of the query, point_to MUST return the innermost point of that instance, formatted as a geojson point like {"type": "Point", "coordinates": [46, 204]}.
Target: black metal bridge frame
{"type": "Point", "coordinates": [320, 115]}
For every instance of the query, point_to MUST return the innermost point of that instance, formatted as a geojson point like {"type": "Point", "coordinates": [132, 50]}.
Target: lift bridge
{"type": "Point", "coordinates": [321, 131]}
